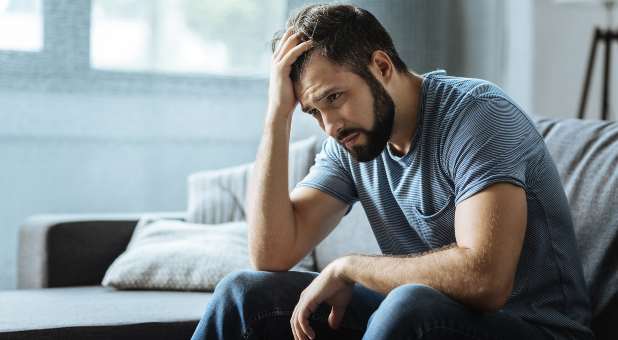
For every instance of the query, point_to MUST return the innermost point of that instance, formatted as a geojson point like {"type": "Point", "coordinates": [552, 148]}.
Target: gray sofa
{"type": "Point", "coordinates": [62, 258]}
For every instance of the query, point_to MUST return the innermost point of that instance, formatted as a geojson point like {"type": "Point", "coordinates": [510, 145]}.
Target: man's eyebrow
{"type": "Point", "coordinates": [323, 94]}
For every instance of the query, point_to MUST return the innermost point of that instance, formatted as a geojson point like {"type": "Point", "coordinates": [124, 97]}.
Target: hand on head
{"type": "Point", "coordinates": [281, 98]}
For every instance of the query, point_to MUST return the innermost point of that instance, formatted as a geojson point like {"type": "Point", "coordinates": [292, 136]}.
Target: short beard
{"type": "Point", "coordinates": [380, 132]}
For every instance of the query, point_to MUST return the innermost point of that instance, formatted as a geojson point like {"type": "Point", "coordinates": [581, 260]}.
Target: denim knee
{"type": "Point", "coordinates": [237, 300]}
{"type": "Point", "coordinates": [405, 310]}
{"type": "Point", "coordinates": [253, 291]}
{"type": "Point", "coordinates": [417, 296]}
{"type": "Point", "coordinates": [240, 278]}
{"type": "Point", "coordinates": [414, 302]}
{"type": "Point", "coordinates": [248, 302]}
{"type": "Point", "coordinates": [239, 286]}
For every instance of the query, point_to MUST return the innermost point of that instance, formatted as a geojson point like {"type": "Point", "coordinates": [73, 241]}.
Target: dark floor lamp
{"type": "Point", "coordinates": [601, 37]}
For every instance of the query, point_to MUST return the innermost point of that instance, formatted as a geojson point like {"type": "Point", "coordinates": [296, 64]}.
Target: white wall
{"type": "Point", "coordinates": [546, 53]}
{"type": "Point", "coordinates": [561, 35]}
{"type": "Point", "coordinates": [518, 54]}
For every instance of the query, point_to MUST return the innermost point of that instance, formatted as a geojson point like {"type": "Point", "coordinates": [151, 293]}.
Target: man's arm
{"type": "Point", "coordinates": [479, 270]}
{"type": "Point", "coordinates": [284, 227]}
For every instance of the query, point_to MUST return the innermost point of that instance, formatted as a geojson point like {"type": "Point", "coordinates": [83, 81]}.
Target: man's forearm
{"type": "Point", "coordinates": [270, 214]}
{"type": "Point", "coordinates": [454, 271]}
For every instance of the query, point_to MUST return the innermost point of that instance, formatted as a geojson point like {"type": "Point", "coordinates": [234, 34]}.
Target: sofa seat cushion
{"type": "Point", "coordinates": [98, 312]}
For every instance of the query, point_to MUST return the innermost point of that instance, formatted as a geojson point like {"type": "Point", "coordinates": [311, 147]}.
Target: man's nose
{"type": "Point", "coordinates": [333, 123]}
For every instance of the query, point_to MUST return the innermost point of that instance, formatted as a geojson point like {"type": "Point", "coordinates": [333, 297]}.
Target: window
{"type": "Point", "coordinates": [21, 25]}
{"type": "Point", "coordinates": [185, 36]}
{"type": "Point", "coordinates": [156, 46]}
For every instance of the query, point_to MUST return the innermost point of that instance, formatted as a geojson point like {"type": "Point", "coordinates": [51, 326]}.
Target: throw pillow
{"type": "Point", "coordinates": [175, 255]}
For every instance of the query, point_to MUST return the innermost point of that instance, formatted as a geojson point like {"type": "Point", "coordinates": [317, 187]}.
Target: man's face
{"type": "Point", "coordinates": [357, 112]}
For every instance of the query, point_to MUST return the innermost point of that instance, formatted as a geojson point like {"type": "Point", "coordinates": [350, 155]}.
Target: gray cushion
{"type": "Point", "coordinates": [176, 255]}
{"type": "Point", "coordinates": [218, 196]}
{"type": "Point", "coordinates": [586, 155]}
{"type": "Point", "coordinates": [59, 313]}
{"type": "Point", "coordinates": [218, 204]}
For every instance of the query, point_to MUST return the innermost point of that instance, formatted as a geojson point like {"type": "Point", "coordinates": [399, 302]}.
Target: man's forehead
{"type": "Point", "coordinates": [318, 75]}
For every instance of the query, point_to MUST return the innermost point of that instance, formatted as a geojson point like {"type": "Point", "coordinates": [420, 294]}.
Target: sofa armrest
{"type": "Point", "coordinates": [73, 250]}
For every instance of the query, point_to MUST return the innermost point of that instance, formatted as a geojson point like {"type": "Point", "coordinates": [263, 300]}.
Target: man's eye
{"type": "Point", "coordinates": [314, 112]}
{"type": "Point", "coordinates": [333, 97]}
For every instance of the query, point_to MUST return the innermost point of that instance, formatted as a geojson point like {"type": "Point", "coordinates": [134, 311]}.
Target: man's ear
{"type": "Point", "coordinates": [381, 66]}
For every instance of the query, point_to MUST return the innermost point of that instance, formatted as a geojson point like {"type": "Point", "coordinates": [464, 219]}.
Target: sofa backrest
{"type": "Point", "coordinates": [586, 155]}
{"type": "Point", "coordinates": [352, 235]}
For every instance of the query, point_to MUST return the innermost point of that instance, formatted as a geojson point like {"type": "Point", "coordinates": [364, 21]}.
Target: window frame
{"type": "Point", "coordinates": [63, 64]}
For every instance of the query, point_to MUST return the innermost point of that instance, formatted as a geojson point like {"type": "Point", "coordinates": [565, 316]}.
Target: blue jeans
{"type": "Point", "coordinates": [258, 305]}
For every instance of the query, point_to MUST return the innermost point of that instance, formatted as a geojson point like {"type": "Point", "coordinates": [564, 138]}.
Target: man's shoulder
{"type": "Point", "coordinates": [443, 87]}
{"type": "Point", "coordinates": [449, 98]}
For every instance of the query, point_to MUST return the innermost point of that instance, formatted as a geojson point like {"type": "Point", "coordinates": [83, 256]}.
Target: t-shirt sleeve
{"type": "Point", "coordinates": [328, 174]}
{"type": "Point", "coordinates": [489, 142]}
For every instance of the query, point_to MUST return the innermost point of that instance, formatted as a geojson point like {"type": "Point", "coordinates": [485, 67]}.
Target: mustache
{"type": "Point", "coordinates": [347, 132]}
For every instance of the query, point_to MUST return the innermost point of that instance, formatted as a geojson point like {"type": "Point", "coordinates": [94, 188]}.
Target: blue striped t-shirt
{"type": "Point", "coordinates": [470, 135]}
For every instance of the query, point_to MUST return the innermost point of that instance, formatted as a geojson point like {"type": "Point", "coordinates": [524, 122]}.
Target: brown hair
{"type": "Point", "coordinates": [345, 34]}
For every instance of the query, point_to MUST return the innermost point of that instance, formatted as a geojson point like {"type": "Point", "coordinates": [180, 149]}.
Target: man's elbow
{"type": "Point", "coordinates": [266, 263]}
{"type": "Point", "coordinates": [493, 294]}
{"type": "Point", "coordinates": [269, 267]}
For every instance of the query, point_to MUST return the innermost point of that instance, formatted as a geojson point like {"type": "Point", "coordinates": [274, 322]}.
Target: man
{"type": "Point", "coordinates": [459, 188]}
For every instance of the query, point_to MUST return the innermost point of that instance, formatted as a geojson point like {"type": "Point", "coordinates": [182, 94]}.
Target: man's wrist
{"type": "Point", "coordinates": [342, 268]}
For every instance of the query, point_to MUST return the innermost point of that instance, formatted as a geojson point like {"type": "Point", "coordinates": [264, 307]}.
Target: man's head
{"type": "Point", "coordinates": [349, 46]}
